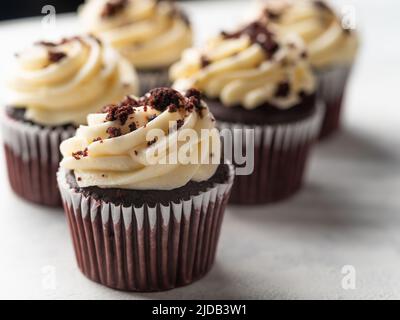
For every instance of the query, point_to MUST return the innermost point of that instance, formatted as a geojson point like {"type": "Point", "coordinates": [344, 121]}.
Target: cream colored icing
{"type": "Point", "coordinates": [60, 83]}
{"type": "Point", "coordinates": [151, 34]}
{"type": "Point", "coordinates": [328, 42]}
{"type": "Point", "coordinates": [129, 161]}
{"type": "Point", "coordinates": [238, 71]}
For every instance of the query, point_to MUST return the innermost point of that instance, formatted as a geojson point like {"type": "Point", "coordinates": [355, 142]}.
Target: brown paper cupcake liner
{"type": "Point", "coordinates": [332, 86]}
{"type": "Point", "coordinates": [280, 157]}
{"type": "Point", "coordinates": [146, 248]}
{"type": "Point", "coordinates": [32, 156]}
{"type": "Point", "coordinates": [150, 79]}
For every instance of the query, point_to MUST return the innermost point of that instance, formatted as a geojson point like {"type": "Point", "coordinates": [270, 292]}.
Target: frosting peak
{"type": "Point", "coordinates": [249, 67]}
{"type": "Point", "coordinates": [319, 26]}
{"type": "Point", "coordinates": [140, 143]}
{"type": "Point", "coordinates": [61, 82]}
{"type": "Point", "coordinates": [150, 33]}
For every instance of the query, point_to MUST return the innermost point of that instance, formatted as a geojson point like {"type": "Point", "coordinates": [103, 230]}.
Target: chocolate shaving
{"type": "Point", "coordinates": [204, 61]}
{"type": "Point", "coordinates": [121, 111]}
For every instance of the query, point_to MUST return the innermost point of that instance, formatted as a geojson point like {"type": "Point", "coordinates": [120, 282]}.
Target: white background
{"type": "Point", "coordinates": [347, 214]}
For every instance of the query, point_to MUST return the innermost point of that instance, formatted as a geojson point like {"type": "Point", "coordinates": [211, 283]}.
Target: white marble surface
{"type": "Point", "coordinates": [347, 214]}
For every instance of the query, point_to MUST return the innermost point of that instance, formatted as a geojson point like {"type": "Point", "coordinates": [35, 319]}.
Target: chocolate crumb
{"type": "Point", "coordinates": [258, 33]}
{"type": "Point", "coordinates": [113, 7]}
{"type": "Point", "coordinates": [179, 124]}
{"type": "Point", "coordinates": [113, 132]}
{"type": "Point", "coordinates": [79, 179]}
{"type": "Point", "coordinates": [56, 56]}
{"type": "Point", "coordinates": [282, 90]}
{"type": "Point", "coordinates": [80, 154]}
{"type": "Point", "coordinates": [161, 98]}
{"type": "Point", "coordinates": [120, 112]}
{"type": "Point", "coordinates": [132, 127]}
{"type": "Point", "coordinates": [204, 61]}
{"type": "Point", "coordinates": [149, 143]}
{"type": "Point", "coordinates": [136, 153]}
{"type": "Point", "coordinates": [98, 139]}
{"type": "Point", "coordinates": [321, 5]}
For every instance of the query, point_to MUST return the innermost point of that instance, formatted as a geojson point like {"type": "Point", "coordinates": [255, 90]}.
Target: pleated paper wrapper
{"type": "Point", "coordinates": [332, 85]}
{"type": "Point", "coordinates": [149, 248]}
{"type": "Point", "coordinates": [281, 153]}
{"type": "Point", "coordinates": [33, 156]}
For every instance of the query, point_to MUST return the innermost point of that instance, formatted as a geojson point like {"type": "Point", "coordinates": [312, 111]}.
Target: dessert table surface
{"type": "Point", "coordinates": [337, 238]}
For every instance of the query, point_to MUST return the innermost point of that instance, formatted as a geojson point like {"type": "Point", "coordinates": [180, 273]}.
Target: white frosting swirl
{"type": "Point", "coordinates": [319, 26]}
{"type": "Point", "coordinates": [60, 83]}
{"type": "Point", "coordinates": [130, 161]}
{"type": "Point", "coordinates": [151, 34]}
{"type": "Point", "coordinates": [250, 68]}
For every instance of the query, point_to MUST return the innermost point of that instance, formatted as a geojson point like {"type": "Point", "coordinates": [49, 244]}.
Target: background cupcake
{"type": "Point", "coordinates": [151, 34]}
{"type": "Point", "coordinates": [332, 47]}
{"type": "Point", "coordinates": [53, 86]}
{"type": "Point", "coordinates": [255, 79]}
{"type": "Point", "coordinates": [150, 225]}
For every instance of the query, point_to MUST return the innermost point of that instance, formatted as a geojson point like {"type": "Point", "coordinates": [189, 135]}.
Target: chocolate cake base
{"type": "Point", "coordinates": [139, 198]}
{"type": "Point", "coordinates": [32, 155]}
{"type": "Point", "coordinates": [265, 114]}
{"type": "Point", "coordinates": [148, 247]}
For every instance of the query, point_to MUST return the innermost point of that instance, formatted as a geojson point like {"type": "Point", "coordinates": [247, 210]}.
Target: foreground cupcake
{"type": "Point", "coordinates": [151, 34]}
{"type": "Point", "coordinates": [152, 220]}
{"type": "Point", "coordinates": [52, 88]}
{"type": "Point", "coordinates": [255, 79]}
{"type": "Point", "coordinates": [332, 48]}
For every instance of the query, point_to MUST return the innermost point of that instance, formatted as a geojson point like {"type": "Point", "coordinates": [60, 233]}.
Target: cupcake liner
{"type": "Point", "coordinates": [32, 156]}
{"type": "Point", "coordinates": [149, 248]}
{"type": "Point", "coordinates": [150, 79]}
{"type": "Point", "coordinates": [280, 157]}
{"type": "Point", "coordinates": [332, 85]}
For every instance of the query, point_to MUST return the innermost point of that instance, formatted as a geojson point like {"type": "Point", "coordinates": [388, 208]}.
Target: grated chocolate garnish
{"type": "Point", "coordinates": [113, 132]}
{"type": "Point", "coordinates": [56, 56]}
{"type": "Point", "coordinates": [282, 90]}
{"type": "Point", "coordinates": [258, 33]}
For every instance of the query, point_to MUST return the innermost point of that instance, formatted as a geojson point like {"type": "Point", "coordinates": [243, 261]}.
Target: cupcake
{"type": "Point", "coordinates": [52, 87]}
{"type": "Point", "coordinates": [332, 48]}
{"type": "Point", "coordinates": [141, 217]}
{"type": "Point", "coordinates": [151, 34]}
{"type": "Point", "coordinates": [255, 78]}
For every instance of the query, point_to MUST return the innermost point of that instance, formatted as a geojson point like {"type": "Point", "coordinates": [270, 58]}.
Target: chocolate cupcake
{"type": "Point", "coordinates": [52, 88]}
{"type": "Point", "coordinates": [256, 79]}
{"type": "Point", "coordinates": [141, 217]}
{"type": "Point", "coordinates": [151, 34]}
{"type": "Point", "coordinates": [332, 48]}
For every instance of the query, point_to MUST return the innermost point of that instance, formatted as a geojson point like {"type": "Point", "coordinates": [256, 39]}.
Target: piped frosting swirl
{"type": "Point", "coordinates": [249, 67]}
{"type": "Point", "coordinates": [60, 83]}
{"type": "Point", "coordinates": [151, 34]}
{"type": "Point", "coordinates": [328, 40]}
{"type": "Point", "coordinates": [138, 143]}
